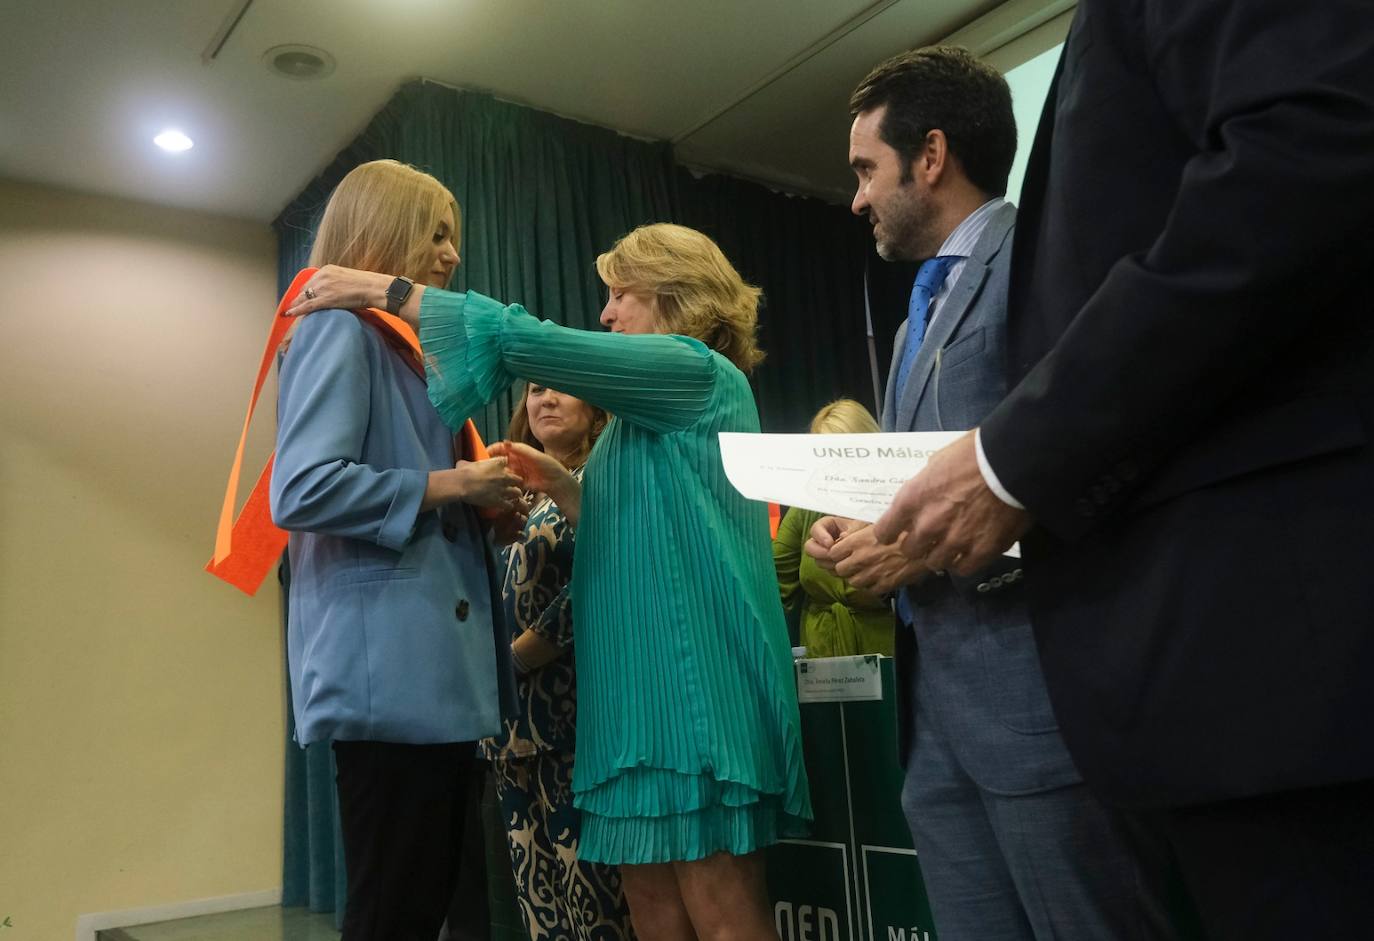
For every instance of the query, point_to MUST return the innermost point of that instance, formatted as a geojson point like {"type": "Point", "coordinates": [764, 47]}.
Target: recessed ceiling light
{"type": "Point", "coordinates": [299, 62]}
{"type": "Point", "coordinates": [173, 141]}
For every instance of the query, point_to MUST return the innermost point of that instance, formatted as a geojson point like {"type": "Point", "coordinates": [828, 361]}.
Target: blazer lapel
{"type": "Point", "coordinates": [888, 419]}
{"type": "Point", "coordinates": [951, 312]}
{"type": "Point", "coordinates": [947, 317]}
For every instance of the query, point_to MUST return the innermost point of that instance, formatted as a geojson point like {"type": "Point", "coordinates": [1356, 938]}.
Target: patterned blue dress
{"type": "Point", "coordinates": [560, 897]}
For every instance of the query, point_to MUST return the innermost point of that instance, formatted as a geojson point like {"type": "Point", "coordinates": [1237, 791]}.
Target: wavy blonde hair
{"type": "Point", "coordinates": [383, 217]}
{"type": "Point", "coordinates": [696, 291]}
{"type": "Point", "coordinates": [844, 417]}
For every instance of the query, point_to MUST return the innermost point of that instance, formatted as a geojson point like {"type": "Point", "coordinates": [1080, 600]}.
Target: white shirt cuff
{"type": "Point", "coordinates": [990, 476]}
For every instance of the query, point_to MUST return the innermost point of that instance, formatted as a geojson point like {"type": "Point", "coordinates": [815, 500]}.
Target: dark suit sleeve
{"type": "Point", "coordinates": [1262, 241]}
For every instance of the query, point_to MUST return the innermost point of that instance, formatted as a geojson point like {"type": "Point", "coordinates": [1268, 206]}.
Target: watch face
{"type": "Point", "coordinates": [397, 293]}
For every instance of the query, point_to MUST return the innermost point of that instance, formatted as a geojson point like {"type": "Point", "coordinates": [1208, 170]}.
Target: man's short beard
{"type": "Point", "coordinates": [907, 229]}
{"type": "Point", "coordinates": [902, 245]}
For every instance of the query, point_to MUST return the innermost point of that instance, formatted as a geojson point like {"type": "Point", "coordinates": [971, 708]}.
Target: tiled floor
{"type": "Point", "coordinates": [254, 924]}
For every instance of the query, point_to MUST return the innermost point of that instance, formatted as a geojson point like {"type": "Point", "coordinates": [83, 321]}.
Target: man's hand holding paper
{"type": "Point", "coordinates": [825, 532]}
{"type": "Point", "coordinates": [849, 549]}
{"type": "Point", "coordinates": [947, 517]}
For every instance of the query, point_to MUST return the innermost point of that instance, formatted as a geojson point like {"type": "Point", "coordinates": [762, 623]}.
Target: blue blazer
{"type": "Point", "coordinates": [394, 629]}
{"type": "Point", "coordinates": [973, 643]}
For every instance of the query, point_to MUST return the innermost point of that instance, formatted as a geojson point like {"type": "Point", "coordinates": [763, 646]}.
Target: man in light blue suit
{"type": "Point", "coordinates": [1011, 844]}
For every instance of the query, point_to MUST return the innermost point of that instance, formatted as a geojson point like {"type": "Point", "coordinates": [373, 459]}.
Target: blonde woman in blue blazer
{"type": "Point", "coordinates": [394, 642]}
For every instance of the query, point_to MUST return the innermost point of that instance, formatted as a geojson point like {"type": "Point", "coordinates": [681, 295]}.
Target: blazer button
{"type": "Point", "coordinates": [451, 532]}
{"type": "Point", "coordinates": [997, 581]}
{"type": "Point", "coordinates": [984, 588]}
{"type": "Point", "coordinates": [461, 610]}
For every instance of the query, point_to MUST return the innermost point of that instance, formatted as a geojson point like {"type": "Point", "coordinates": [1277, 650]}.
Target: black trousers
{"type": "Point", "coordinates": [402, 814]}
{"type": "Point", "coordinates": [1281, 867]}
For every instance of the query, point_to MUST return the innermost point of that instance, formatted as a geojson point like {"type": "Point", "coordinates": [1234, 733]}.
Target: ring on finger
{"type": "Point", "coordinates": [310, 294]}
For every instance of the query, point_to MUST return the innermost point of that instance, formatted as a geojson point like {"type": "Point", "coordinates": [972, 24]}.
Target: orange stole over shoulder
{"type": "Point", "coordinates": [247, 548]}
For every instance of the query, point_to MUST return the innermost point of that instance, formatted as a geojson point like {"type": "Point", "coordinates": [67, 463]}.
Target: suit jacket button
{"type": "Point", "coordinates": [461, 611]}
{"type": "Point", "coordinates": [451, 532]}
{"type": "Point", "coordinates": [997, 581]}
{"type": "Point", "coordinates": [1085, 507]}
{"type": "Point", "coordinates": [1016, 575]}
{"type": "Point", "coordinates": [984, 588]}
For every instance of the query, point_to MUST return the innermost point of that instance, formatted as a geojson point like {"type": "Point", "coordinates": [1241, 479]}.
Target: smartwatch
{"type": "Point", "coordinates": [397, 293]}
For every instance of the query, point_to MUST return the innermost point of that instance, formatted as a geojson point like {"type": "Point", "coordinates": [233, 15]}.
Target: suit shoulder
{"type": "Point", "coordinates": [333, 327]}
{"type": "Point", "coordinates": [328, 337]}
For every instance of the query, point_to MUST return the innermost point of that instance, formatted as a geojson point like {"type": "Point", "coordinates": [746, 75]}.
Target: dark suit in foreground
{"type": "Point", "coordinates": [1192, 332]}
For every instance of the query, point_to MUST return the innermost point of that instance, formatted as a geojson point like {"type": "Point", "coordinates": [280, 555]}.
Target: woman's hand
{"type": "Point", "coordinates": [350, 289]}
{"type": "Point", "coordinates": [539, 470]}
{"type": "Point", "coordinates": [481, 483]}
{"type": "Point", "coordinates": [490, 483]}
{"type": "Point", "coordinates": [545, 473]}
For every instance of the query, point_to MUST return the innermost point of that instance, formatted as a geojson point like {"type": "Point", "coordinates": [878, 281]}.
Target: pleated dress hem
{"type": "Point", "coordinates": [686, 836]}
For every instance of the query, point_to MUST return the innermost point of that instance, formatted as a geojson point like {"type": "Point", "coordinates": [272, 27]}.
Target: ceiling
{"type": "Point", "coordinates": [753, 88]}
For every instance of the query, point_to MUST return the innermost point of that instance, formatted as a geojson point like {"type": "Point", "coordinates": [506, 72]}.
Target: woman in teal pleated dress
{"type": "Point", "coordinates": [689, 756]}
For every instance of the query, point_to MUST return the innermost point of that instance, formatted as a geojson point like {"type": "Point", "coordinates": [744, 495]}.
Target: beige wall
{"type": "Point", "coordinates": [141, 712]}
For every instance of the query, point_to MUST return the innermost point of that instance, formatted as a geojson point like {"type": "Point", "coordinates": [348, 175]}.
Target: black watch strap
{"type": "Point", "coordinates": [397, 293]}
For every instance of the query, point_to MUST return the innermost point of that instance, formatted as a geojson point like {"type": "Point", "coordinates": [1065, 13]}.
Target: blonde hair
{"type": "Point", "coordinates": [520, 430]}
{"type": "Point", "coordinates": [696, 291]}
{"type": "Point", "coordinates": [382, 217]}
{"type": "Point", "coordinates": [844, 417]}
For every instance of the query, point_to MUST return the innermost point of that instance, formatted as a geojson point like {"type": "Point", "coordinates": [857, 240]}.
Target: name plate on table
{"type": "Point", "coordinates": [839, 679]}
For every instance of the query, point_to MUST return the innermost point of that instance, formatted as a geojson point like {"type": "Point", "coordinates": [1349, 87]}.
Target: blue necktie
{"type": "Point", "coordinates": [929, 279]}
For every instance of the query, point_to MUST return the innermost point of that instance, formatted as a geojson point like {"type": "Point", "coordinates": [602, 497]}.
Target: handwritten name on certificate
{"type": "Point", "coordinates": [845, 475]}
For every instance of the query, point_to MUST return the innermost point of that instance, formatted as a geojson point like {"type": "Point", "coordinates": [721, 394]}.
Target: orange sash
{"type": "Point", "coordinates": [246, 550]}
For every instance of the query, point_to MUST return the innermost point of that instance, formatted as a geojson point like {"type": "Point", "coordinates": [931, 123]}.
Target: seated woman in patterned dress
{"type": "Point", "coordinates": [689, 756]}
{"type": "Point", "coordinates": [561, 898]}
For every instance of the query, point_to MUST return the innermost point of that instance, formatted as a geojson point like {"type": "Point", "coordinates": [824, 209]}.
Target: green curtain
{"type": "Point", "coordinates": [809, 259]}
{"type": "Point", "coordinates": [541, 197]}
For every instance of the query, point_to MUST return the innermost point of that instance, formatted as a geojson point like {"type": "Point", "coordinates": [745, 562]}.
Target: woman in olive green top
{"type": "Point", "coordinates": [837, 619]}
{"type": "Point", "coordinates": [689, 756]}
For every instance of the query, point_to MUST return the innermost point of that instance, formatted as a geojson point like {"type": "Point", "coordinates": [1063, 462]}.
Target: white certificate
{"type": "Point", "coordinates": [845, 475]}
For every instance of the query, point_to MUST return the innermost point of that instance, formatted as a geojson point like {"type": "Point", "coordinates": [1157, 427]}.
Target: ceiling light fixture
{"type": "Point", "coordinates": [299, 62]}
{"type": "Point", "coordinates": [173, 141]}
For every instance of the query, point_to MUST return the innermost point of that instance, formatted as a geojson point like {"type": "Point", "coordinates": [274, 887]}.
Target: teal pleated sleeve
{"type": "Point", "coordinates": [688, 740]}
